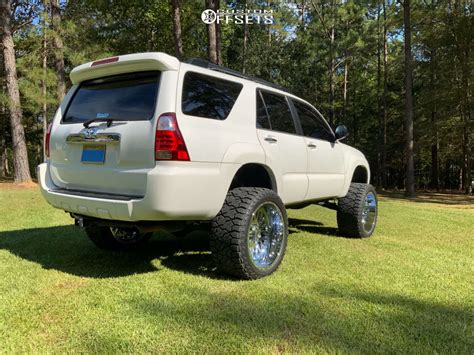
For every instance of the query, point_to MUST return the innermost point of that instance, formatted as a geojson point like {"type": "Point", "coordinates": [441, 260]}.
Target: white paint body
{"type": "Point", "coordinates": [186, 190]}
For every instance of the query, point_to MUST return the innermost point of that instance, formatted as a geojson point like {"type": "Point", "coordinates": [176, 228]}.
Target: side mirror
{"type": "Point", "coordinates": [341, 132]}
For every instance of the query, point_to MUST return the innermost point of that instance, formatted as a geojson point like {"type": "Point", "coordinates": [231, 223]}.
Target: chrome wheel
{"type": "Point", "coordinates": [265, 235]}
{"type": "Point", "coordinates": [125, 235]}
{"type": "Point", "coordinates": [369, 212]}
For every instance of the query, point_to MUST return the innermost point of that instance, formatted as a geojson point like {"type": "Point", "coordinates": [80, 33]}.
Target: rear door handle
{"type": "Point", "coordinates": [270, 139]}
{"type": "Point", "coordinates": [311, 145]}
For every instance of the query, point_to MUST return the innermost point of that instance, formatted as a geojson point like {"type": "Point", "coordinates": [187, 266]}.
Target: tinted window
{"type": "Point", "coordinates": [262, 117]}
{"type": "Point", "coordinates": [124, 97]}
{"type": "Point", "coordinates": [279, 113]}
{"type": "Point", "coordinates": [312, 124]}
{"type": "Point", "coordinates": [206, 96]}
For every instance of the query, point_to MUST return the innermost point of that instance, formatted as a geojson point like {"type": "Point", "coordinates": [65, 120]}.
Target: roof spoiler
{"type": "Point", "coordinates": [124, 64]}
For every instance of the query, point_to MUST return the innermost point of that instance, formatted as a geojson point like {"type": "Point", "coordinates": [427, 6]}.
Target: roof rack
{"type": "Point", "coordinates": [203, 63]}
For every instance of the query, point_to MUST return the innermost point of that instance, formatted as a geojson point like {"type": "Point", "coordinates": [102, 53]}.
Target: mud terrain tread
{"type": "Point", "coordinates": [350, 210]}
{"type": "Point", "coordinates": [229, 230]}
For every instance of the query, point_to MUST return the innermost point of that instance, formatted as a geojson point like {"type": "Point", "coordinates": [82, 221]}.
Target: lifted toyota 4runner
{"type": "Point", "coordinates": [144, 142]}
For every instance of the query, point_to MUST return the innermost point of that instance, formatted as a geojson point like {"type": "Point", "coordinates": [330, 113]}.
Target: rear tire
{"type": "Point", "coordinates": [357, 211]}
{"type": "Point", "coordinates": [250, 233]}
{"type": "Point", "coordinates": [111, 238]}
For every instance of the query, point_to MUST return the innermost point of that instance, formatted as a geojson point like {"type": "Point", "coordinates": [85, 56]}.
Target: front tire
{"type": "Point", "coordinates": [250, 233]}
{"type": "Point", "coordinates": [357, 211]}
{"type": "Point", "coordinates": [115, 238]}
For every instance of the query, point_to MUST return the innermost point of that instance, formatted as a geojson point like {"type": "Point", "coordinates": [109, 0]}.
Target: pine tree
{"type": "Point", "coordinates": [20, 153]}
{"type": "Point", "coordinates": [409, 149]}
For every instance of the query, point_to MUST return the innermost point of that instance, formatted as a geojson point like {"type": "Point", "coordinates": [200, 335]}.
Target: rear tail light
{"type": "Point", "coordinates": [169, 142]}
{"type": "Point", "coordinates": [46, 140]}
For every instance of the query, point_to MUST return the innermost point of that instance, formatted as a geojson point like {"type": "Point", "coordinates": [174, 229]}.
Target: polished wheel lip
{"type": "Point", "coordinates": [265, 235]}
{"type": "Point", "coordinates": [369, 212]}
{"type": "Point", "coordinates": [124, 235]}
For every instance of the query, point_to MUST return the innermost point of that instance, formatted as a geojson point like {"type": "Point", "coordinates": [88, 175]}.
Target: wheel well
{"type": "Point", "coordinates": [253, 175]}
{"type": "Point", "coordinates": [360, 175]}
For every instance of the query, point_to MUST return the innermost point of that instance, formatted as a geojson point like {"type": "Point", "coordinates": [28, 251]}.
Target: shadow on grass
{"type": "Point", "coordinates": [67, 249]}
{"type": "Point", "coordinates": [296, 225]}
{"type": "Point", "coordinates": [358, 322]}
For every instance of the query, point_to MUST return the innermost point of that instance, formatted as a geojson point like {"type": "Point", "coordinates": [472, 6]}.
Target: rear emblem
{"type": "Point", "coordinates": [90, 133]}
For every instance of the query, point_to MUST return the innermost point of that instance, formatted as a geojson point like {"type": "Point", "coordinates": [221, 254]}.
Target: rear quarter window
{"type": "Point", "coordinates": [128, 97]}
{"type": "Point", "coordinates": [208, 97]}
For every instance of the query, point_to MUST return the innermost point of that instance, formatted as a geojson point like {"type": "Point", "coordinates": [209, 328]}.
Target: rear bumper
{"type": "Point", "coordinates": [174, 191]}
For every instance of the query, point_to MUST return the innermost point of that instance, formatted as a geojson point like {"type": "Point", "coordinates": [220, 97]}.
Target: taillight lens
{"type": "Point", "coordinates": [169, 143]}
{"type": "Point", "coordinates": [46, 140]}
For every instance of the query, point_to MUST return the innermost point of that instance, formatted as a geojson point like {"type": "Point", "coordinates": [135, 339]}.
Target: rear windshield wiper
{"type": "Point", "coordinates": [108, 120]}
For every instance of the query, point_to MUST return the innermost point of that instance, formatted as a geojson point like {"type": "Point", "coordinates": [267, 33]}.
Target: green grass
{"type": "Point", "coordinates": [409, 288]}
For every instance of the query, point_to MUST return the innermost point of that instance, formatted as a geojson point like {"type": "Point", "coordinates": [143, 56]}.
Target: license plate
{"type": "Point", "coordinates": [93, 154]}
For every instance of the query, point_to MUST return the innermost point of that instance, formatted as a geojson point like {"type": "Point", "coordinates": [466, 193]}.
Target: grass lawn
{"type": "Point", "coordinates": [409, 288]}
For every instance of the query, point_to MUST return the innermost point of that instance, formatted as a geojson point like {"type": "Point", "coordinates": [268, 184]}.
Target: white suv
{"type": "Point", "coordinates": [144, 142]}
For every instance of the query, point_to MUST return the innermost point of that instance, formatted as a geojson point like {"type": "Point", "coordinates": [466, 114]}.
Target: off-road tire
{"type": "Point", "coordinates": [350, 209]}
{"type": "Point", "coordinates": [229, 231]}
{"type": "Point", "coordinates": [103, 238]}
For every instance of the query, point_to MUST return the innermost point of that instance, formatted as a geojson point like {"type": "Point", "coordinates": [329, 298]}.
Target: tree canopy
{"type": "Point", "coordinates": [345, 57]}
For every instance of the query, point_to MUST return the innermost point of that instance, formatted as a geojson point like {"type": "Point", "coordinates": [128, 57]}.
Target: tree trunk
{"type": "Point", "coordinates": [434, 153]}
{"type": "Point", "coordinates": [246, 36]}
{"type": "Point", "coordinates": [269, 5]}
{"type": "Point", "coordinates": [3, 128]}
{"type": "Point", "coordinates": [212, 37]}
{"type": "Point", "coordinates": [410, 166]}
{"type": "Point", "coordinates": [378, 180]}
{"type": "Point", "coordinates": [332, 72]}
{"type": "Point", "coordinates": [434, 180]}
{"type": "Point", "coordinates": [20, 152]}
{"type": "Point", "coordinates": [178, 40]}
{"type": "Point", "coordinates": [44, 89]}
{"type": "Point", "coordinates": [302, 11]}
{"type": "Point", "coordinates": [383, 165]}
{"type": "Point", "coordinates": [58, 48]}
{"type": "Point", "coordinates": [346, 81]}
{"type": "Point", "coordinates": [3, 143]}
{"type": "Point", "coordinates": [467, 160]}
{"type": "Point", "coordinates": [218, 37]}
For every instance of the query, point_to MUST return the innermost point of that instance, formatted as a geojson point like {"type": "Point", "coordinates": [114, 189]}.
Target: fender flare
{"type": "Point", "coordinates": [351, 166]}
{"type": "Point", "coordinates": [242, 153]}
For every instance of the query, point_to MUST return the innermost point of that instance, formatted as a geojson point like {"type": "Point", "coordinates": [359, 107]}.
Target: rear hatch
{"type": "Point", "coordinates": [103, 140]}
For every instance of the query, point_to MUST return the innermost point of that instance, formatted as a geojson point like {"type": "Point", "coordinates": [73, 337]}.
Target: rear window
{"type": "Point", "coordinates": [129, 97]}
{"type": "Point", "coordinates": [209, 97]}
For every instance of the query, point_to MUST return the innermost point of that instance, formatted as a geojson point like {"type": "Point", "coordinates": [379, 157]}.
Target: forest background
{"type": "Point", "coordinates": [398, 74]}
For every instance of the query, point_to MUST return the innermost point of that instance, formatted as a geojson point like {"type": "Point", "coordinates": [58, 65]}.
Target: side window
{"type": "Point", "coordinates": [279, 113]}
{"type": "Point", "coordinates": [312, 123]}
{"type": "Point", "coordinates": [262, 116]}
{"type": "Point", "coordinates": [209, 97]}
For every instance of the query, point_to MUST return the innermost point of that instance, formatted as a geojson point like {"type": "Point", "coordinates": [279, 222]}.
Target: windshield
{"type": "Point", "coordinates": [126, 97]}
